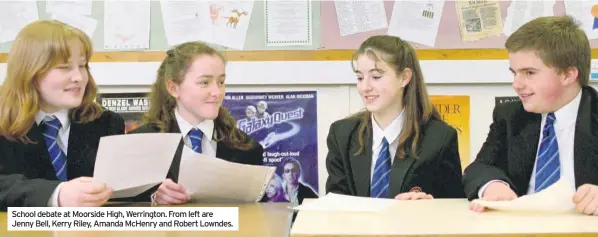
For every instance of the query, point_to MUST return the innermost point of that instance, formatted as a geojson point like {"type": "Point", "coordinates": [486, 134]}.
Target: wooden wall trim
{"type": "Point", "coordinates": [304, 55]}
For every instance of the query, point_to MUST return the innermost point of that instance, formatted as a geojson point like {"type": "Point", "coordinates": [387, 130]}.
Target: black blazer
{"type": "Point", "coordinates": [436, 170]}
{"type": "Point", "coordinates": [27, 177]}
{"type": "Point", "coordinates": [254, 156]}
{"type": "Point", "coordinates": [509, 152]}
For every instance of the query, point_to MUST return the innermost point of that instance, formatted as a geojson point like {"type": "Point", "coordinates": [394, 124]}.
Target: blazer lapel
{"type": "Point", "coordinates": [399, 170]}
{"type": "Point", "coordinates": [39, 156]}
{"type": "Point", "coordinates": [173, 172]}
{"type": "Point", "coordinates": [585, 149]}
{"type": "Point", "coordinates": [523, 149]}
{"type": "Point", "coordinates": [361, 163]}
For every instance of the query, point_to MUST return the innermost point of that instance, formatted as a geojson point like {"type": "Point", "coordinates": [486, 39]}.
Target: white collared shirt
{"type": "Point", "coordinates": [208, 145]}
{"type": "Point", "coordinates": [391, 133]}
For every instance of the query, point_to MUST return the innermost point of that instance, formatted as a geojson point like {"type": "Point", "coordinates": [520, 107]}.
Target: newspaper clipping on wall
{"type": "Point", "coordinates": [479, 19]}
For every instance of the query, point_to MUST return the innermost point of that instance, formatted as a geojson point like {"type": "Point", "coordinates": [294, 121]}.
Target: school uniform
{"type": "Point", "coordinates": [435, 169]}
{"type": "Point", "coordinates": [31, 174]}
{"type": "Point", "coordinates": [209, 146]}
{"type": "Point", "coordinates": [530, 151]}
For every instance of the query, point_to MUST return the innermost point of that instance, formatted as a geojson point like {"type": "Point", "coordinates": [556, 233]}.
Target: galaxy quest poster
{"type": "Point", "coordinates": [285, 124]}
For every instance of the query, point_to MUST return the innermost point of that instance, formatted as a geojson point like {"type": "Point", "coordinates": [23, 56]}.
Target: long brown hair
{"type": "Point", "coordinates": [162, 104]}
{"type": "Point", "coordinates": [399, 55]}
{"type": "Point", "coordinates": [38, 48]}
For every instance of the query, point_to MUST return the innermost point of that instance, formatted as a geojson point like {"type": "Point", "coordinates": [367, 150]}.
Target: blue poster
{"type": "Point", "coordinates": [285, 124]}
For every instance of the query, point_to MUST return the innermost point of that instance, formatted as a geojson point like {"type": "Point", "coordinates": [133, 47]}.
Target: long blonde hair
{"type": "Point", "coordinates": [162, 104]}
{"type": "Point", "coordinates": [38, 48]}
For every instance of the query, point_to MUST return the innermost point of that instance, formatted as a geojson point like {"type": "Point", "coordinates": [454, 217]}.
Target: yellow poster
{"type": "Point", "coordinates": [454, 110]}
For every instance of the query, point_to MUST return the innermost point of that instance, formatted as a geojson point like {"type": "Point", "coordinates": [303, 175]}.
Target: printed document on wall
{"type": "Point", "coordinates": [288, 22]}
{"type": "Point", "coordinates": [15, 15]}
{"type": "Point", "coordinates": [416, 21]}
{"type": "Point", "coordinates": [185, 20]}
{"type": "Point", "coordinates": [523, 11]}
{"type": "Point", "coordinates": [84, 23]}
{"type": "Point", "coordinates": [229, 22]}
{"type": "Point", "coordinates": [479, 19]}
{"type": "Point", "coordinates": [126, 25]}
{"type": "Point", "coordinates": [73, 7]}
{"type": "Point", "coordinates": [586, 12]}
{"type": "Point", "coordinates": [356, 16]}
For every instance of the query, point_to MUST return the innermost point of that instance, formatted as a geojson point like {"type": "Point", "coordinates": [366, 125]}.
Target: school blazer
{"type": "Point", "coordinates": [435, 168]}
{"type": "Point", "coordinates": [27, 177]}
{"type": "Point", "coordinates": [254, 156]}
{"type": "Point", "coordinates": [509, 152]}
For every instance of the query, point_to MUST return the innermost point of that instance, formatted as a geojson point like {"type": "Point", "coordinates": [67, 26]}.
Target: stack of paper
{"type": "Point", "coordinates": [339, 202]}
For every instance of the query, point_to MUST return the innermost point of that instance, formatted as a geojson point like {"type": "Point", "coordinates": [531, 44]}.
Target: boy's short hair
{"type": "Point", "coordinates": [558, 41]}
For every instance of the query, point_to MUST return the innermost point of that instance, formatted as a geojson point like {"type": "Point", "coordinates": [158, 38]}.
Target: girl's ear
{"type": "Point", "coordinates": [406, 75]}
{"type": "Point", "coordinates": [172, 88]}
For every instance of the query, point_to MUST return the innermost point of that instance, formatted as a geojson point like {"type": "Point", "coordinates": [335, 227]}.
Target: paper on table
{"type": "Point", "coordinates": [556, 198]}
{"type": "Point", "coordinates": [131, 164]}
{"type": "Point", "coordinates": [83, 23]}
{"type": "Point", "coordinates": [340, 202]}
{"type": "Point", "coordinates": [210, 179]}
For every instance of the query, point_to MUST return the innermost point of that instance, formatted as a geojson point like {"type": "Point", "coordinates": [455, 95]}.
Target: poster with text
{"type": "Point", "coordinates": [285, 124]}
{"type": "Point", "coordinates": [131, 106]}
{"type": "Point", "coordinates": [455, 110]}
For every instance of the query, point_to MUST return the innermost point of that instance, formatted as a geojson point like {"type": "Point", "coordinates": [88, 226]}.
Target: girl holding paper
{"type": "Point", "coordinates": [398, 147]}
{"type": "Point", "coordinates": [50, 125]}
{"type": "Point", "coordinates": [187, 98]}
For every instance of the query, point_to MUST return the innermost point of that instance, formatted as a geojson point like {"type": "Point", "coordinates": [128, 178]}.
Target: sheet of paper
{"type": "Point", "coordinates": [74, 7]}
{"type": "Point", "coordinates": [84, 23]}
{"type": "Point", "coordinates": [229, 22]}
{"type": "Point", "coordinates": [356, 16]}
{"type": "Point", "coordinates": [479, 19]}
{"type": "Point", "coordinates": [556, 198]}
{"type": "Point", "coordinates": [346, 203]}
{"type": "Point", "coordinates": [288, 22]}
{"type": "Point", "coordinates": [210, 179]}
{"type": "Point", "coordinates": [416, 21]}
{"type": "Point", "coordinates": [523, 11]}
{"type": "Point", "coordinates": [126, 25]}
{"type": "Point", "coordinates": [133, 163]}
{"type": "Point", "coordinates": [15, 15]}
{"type": "Point", "coordinates": [583, 12]}
{"type": "Point", "coordinates": [185, 20]}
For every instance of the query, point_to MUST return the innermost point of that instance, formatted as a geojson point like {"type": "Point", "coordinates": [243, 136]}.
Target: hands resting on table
{"type": "Point", "coordinates": [585, 198]}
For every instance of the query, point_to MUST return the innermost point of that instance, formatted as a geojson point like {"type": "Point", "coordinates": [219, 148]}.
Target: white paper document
{"type": "Point", "coordinates": [288, 22]}
{"type": "Point", "coordinates": [346, 203]}
{"type": "Point", "coordinates": [523, 11]}
{"type": "Point", "coordinates": [74, 7]}
{"type": "Point", "coordinates": [416, 21]}
{"type": "Point", "coordinates": [132, 163]}
{"type": "Point", "coordinates": [356, 16]}
{"type": "Point", "coordinates": [185, 20]}
{"type": "Point", "coordinates": [15, 15]}
{"type": "Point", "coordinates": [210, 179]}
{"type": "Point", "coordinates": [84, 23]}
{"type": "Point", "coordinates": [556, 198]}
{"type": "Point", "coordinates": [229, 22]}
{"type": "Point", "coordinates": [582, 12]}
{"type": "Point", "coordinates": [126, 25]}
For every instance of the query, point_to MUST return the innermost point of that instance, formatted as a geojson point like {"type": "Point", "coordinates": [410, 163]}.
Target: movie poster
{"type": "Point", "coordinates": [285, 123]}
{"type": "Point", "coordinates": [454, 110]}
{"type": "Point", "coordinates": [131, 106]}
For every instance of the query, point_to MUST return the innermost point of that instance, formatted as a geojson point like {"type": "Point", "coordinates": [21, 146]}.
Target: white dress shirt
{"type": "Point", "coordinates": [564, 126]}
{"type": "Point", "coordinates": [391, 133]}
{"type": "Point", "coordinates": [62, 140]}
{"type": "Point", "coordinates": [208, 145]}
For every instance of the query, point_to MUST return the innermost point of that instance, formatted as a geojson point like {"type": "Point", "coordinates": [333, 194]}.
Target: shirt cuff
{"type": "Point", "coordinates": [53, 201]}
{"type": "Point", "coordinates": [483, 188]}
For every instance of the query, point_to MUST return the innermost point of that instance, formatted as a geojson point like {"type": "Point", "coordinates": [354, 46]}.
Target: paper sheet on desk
{"type": "Point", "coordinates": [556, 198]}
{"type": "Point", "coordinates": [339, 202]}
{"type": "Point", "coordinates": [133, 163]}
{"type": "Point", "coordinates": [210, 179]}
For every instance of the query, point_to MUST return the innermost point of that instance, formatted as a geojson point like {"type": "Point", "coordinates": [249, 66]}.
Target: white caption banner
{"type": "Point", "coordinates": [123, 218]}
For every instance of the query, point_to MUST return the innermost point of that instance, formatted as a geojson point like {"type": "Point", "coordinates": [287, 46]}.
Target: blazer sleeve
{"type": "Point", "coordinates": [448, 182]}
{"type": "Point", "coordinates": [491, 162]}
{"type": "Point", "coordinates": [337, 181]}
{"type": "Point", "coordinates": [256, 154]}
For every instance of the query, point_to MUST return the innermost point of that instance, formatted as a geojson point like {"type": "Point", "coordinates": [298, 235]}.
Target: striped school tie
{"type": "Point", "coordinates": [51, 127]}
{"type": "Point", "coordinates": [381, 178]}
{"type": "Point", "coordinates": [195, 136]}
{"type": "Point", "coordinates": [548, 163]}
